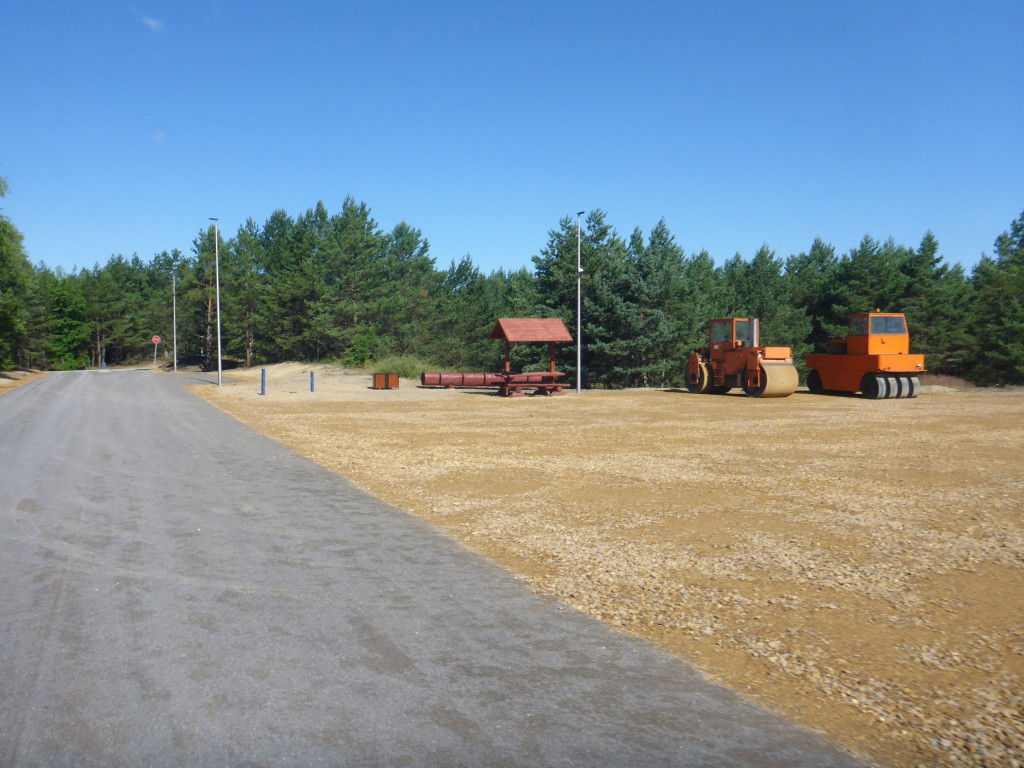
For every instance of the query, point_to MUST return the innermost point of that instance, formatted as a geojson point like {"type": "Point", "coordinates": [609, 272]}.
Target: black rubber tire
{"type": "Point", "coordinates": [751, 391]}
{"type": "Point", "coordinates": [874, 386]}
{"type": "Point", "coordinates": [814, 382]}
{"type": "Point", "coordinates": [915, 387]}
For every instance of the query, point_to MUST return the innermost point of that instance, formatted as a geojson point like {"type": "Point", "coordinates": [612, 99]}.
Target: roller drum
{"type": "Point", "coordinates": [777, 380]}
{"type": "Point", "coordinates": [703, 379]}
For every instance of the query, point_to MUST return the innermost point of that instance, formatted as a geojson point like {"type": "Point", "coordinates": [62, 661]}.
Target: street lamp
{"type": "Point", "coordinates": [579, 309]}
{"type": "Point", "coordinates": [174, 303]}
{"type": "Point", "coordinates": [216, 263]}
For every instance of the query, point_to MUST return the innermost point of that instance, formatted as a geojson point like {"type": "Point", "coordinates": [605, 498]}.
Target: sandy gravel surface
{"type": "Point", "coordinates": [856, 565]}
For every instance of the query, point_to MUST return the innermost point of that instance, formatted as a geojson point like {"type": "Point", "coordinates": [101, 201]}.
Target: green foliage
{"type": "Point", "coordinates": [636, 341]}
{"type": "Point", "coordinates": [937, 303]}
{"type": "Point", "coordinates": [762, 291]}
{"type": "Point", "coordinates": [70, 332]}
{"type": "Point", "coordinates": [870, 277]}
{"type": "Point", "coordinates": [14, 279]}
{"type": "Point", "coordinates": [811, 280]}
{"type": "Point", "coordinates": [338, 287]}
{"type": "Point", "coordinates": [997, 356]}
{"type": "Point", "coordinates": [197, 300]}
{"type": "Point", "coordinates": [599, 250]}
{"type": "Point", "coordinates": [701, 297]}
{"type": "Point", "coordinates": [362, 347]}
{"type": "Point", "coordinates": [15, 272]}
{"type": "Point", "coordinates": [244, 286]}
{"type": "Point", "coordinates": [406, 366]}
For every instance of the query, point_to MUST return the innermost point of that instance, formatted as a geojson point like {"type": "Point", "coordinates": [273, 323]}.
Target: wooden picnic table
{"type": "Point", "coordinates": [542, 382]}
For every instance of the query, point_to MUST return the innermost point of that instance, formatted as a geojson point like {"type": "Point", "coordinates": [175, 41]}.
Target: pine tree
{"type": "Point", "coordinates": [197, 306]}
{"type": "Point", "coordinates": [244, 282]}
{"type": "Point", "coordinates": [936, 302]}
{"type": "Point", "coordinates": [352, 279]}
{"type": "Point", "coordinates": [868, 278]}
{"type": "Point", "coordinates": [408, 291]}
{"type": "Point", "coordinates": [555, 268]}
{"type": "Point", "coordinates": [810, 283]}
{"type": "Point", "coordinates": [636, 338]}
{"type": "Point", "coordinates": [69, 338]}
{"type": "Point", "coordinates": [998, 327]}
{"type": "Point", "coordinates": [38, 317]}
{"type": "Point", "coordinates": [701, 297]}
{"type": "Point", "coordinates": [15, 271]}
{"type": "Point", "coordinates": [315, 241]}
{"type": "Point", "coordinates": [282, 305]}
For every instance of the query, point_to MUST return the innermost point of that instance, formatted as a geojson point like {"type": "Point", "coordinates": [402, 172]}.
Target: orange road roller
{"type": "Point", "coordinates": [736, 359]}
{"type": "Point", "coordinates": [874, 359]}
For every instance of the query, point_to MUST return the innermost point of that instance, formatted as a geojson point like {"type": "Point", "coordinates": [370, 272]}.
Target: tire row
{"type": "Point", "coordinates": [884, 386]}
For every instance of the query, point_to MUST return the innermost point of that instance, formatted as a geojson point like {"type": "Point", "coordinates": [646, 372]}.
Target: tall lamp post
{"type": "Point", "coordinates": [174, 300]}
{"type": "Point", "coordinates": [579, 309]}
{"type": "Point", "coordinates": [216, 263]}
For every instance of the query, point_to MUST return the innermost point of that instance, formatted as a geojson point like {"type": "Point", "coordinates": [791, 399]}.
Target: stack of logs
{"type": "Point", "coordinates": [508, 384]}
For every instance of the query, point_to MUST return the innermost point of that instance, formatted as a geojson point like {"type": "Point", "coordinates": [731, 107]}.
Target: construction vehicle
{"type": "Point", "coordinates": [873, 359]}
{"type": "Point", "coordinates": [735, 358]}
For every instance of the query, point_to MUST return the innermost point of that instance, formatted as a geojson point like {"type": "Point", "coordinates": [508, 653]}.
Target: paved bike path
{"type": "Point", "coordinates": [177, 590]}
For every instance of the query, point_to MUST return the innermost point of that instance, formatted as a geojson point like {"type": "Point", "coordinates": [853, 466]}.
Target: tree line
{"type": "Point", "coordinates": [338, 287]}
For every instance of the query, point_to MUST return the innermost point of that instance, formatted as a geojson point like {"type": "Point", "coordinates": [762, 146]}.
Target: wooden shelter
{"type": "Point", "coordinates": [513, 330]}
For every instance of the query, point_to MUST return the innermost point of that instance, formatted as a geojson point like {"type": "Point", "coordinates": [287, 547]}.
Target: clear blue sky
{"type": "Point", "coordinates": [125, 125]}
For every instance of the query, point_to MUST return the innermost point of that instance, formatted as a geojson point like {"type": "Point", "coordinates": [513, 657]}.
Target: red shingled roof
{"type": "Point", "coordinates": [531, 329]}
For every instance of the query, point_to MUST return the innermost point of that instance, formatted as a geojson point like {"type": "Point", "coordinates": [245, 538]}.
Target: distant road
{"type": "Point", "coordinates": [176, 590]}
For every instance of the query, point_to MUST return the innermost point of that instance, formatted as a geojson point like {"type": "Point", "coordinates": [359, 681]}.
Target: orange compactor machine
{"type": "Point", "coordinates": [873, 359]}
{"type": "Point", "coordinates": [736, 359]}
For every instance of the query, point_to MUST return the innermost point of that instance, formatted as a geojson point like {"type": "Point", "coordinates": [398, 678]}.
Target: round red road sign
{"type": "Point", "coordinates": [156, 339]}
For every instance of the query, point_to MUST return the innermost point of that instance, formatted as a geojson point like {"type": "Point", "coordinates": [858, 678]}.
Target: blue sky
{"type": "Point", "coordinates": [126, 125]}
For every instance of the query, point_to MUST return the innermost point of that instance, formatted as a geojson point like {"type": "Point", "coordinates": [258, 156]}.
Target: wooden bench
{"type": "Point", "coordinates": [542, 382]}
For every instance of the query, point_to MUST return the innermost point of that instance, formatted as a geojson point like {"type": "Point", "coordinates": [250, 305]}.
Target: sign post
{"type": "Point", "coordinates": [156, 343]}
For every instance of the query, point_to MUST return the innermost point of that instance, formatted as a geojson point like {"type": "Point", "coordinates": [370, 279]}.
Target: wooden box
{"type": "Point", "coordinates": [385, 381]}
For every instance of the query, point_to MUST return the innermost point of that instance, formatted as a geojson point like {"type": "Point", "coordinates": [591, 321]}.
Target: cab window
{"type": "Point", "coordinates": [720, 332]}
{"type": "Point", "coordinates": [743, 330]}
{"type": "Point", "coordinates": [859, 326]}
{"type": "Point", "coordinates": [892, 326]}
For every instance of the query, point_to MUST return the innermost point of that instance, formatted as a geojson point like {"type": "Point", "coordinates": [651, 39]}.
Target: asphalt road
{"type": "Point", "coordinates": [177, 590]}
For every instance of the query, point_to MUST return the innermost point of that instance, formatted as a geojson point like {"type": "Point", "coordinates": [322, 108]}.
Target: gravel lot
{"type": "Point", "coordinates": [856, 565]}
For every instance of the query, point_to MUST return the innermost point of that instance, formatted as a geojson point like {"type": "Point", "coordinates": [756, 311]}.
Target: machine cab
{"type": "Point", "coordinates": [732, 333]}
{"type": "Point", "coordinates": [878, 333]}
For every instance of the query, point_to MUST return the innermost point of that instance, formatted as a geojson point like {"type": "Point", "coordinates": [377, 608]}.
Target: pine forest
{"type": "Point", "coordinates": [339, 288]}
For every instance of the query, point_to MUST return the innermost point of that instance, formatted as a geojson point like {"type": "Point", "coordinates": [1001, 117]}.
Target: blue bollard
{"type": "Point", "coordinates": [263, 381]}
{"type": "Point", "coordinates": [310, 381]}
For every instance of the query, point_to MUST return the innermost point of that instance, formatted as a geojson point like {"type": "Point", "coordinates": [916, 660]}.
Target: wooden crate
{"type": "Point", "coordinates": [385, 381]}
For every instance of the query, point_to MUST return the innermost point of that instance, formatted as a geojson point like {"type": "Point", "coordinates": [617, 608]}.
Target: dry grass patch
{"type": "Point", "coordinates": [11, 379]}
